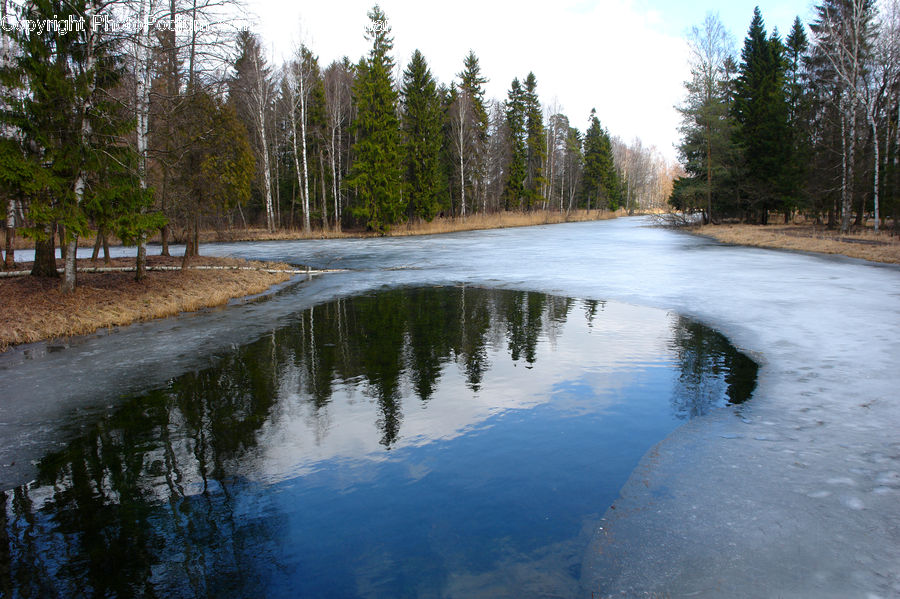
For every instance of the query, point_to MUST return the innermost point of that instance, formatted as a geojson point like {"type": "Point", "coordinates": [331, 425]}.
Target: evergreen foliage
{"type": "Point", "coordinates": [761, 112]}
{"type": "Point", "coordinates": [422, 138]}
{"type": "Point", "coordinates": [514, 192]}
{"type": "Point", "coordinates": [535, 144]}
{"type": "Point", "coordinates": [377, 168]}
{"type": "Point", "coordinates": [601, 182]}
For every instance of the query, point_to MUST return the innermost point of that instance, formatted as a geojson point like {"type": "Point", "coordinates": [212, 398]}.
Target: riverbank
{"type": "Point", "coordinates": [866, 245]}
{"type": "Point", "coordinates": [35, 310]}
{"type": "Point", "coordinates": [472, 222]}
{"type": "Point", "coordinates": [439, 225]}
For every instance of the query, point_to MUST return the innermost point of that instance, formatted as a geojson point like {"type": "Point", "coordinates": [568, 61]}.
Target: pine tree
{"type": "Point", "coordinates": [422, 144]}
{"type": "Point", "coordinates": [761, 112]}
{"type": "Point", "coordinates": [377, 169]}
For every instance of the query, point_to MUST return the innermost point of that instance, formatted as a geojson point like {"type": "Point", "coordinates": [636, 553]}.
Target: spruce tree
{"type": "Point", "coordinates": [796, 82]}
{"type": "Point", "coordinates": [535, 143]}
{"type": "Point", "coordinates": [422, 138]}
{"type": "Point", "coordinates": [472, 82]}
{"type": "Point", "coordinates": [514, 191]}
{"type": "Point", "coordinates": [601, 183]}
{"type": "Point", "coordinates": [761, 112]}
{"type": "Point", "coordinates": [377, 170]}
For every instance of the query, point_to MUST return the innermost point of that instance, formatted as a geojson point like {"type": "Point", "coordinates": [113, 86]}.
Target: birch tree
{"type": "Point", "coordinates": [338, 86]}
{"type": "Point", "coordinates": [461, 130]}
{"type": "Point", "coordinates": [842, 33]}
{"type": "Point", "coordinates": [252, 89]}
{"type": "Point", "coordinates": [299, 74]}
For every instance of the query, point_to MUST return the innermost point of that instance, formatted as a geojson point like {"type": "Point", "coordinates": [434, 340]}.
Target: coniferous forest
{"type": "Point", "coordinates": [805, 122]}
{"type": "Point", "coordinates": [165, 129]}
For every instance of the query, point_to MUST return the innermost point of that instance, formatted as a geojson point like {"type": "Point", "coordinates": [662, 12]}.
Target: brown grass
{"type": "Point", "coordinates": [34, 309]}
{"type": "Point", "coordinates": [867, 245]}
{"type": "Point", "coordinates": [438, 225]}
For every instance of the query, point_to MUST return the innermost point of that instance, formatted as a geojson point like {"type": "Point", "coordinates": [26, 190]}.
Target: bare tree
{"type": "Point", "coordinates": [842, 33]}
{"type": "Point", "coordinates": [338, 84]}
{"type": "Point", "coordinates": [881, 76]}
{"type": "Point", "coordinates": [298, 87]}
{"type": "Point", "coordinates": [461, 125]}
{"type": "Point", "coordinates": [253, 89]}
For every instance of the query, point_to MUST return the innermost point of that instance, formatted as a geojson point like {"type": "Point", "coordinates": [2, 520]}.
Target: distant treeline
{"type": "Point", "coordinates": [802, 124]}
{"type": "Point", "coordinates": [131, 131]}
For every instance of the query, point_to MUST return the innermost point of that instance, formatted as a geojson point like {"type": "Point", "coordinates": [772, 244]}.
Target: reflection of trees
{"type": "Point", "coordinates": [407, 337]}
{"type": "Point", "coordinates": [141, 505]}
{"type": "Point", "coordinates": [146, 503]}
{"type": "Point", "coordinates": [710, 370]}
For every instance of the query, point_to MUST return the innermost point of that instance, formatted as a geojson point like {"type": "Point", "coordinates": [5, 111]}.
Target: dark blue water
{"type": "Point", "coordinates": [423, 442]}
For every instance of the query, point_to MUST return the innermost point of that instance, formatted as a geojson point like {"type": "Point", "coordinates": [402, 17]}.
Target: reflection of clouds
{"type": "Point", "coordinates": [601, 355]}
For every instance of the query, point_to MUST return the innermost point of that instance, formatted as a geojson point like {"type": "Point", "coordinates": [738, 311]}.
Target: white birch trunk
{"type": "Point", "coordinates": [301, 76]}
{"type": "Point", "coordinates": [461, 114]}
{"type": "Point", "coordinates": [295, 153]}
{"type": "Point", "coordinates": [334, 184]}
{"type": "Point", "coordinates": [262, 102]}
{"type": "Point", "coordinates": [8, 131]}
{"type": "Point", "coordinates": [142, 109]}
{"type": "Point", "coordinates": [873, 123]}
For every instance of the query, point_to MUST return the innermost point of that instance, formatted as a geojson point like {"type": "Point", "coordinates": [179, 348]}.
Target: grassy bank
{"type": "Point", "coordinates": [438, 225]}
{"type": "Point", "coordinates": [34, 309]}
{"type": "Point", "coordinates": [808, 237]}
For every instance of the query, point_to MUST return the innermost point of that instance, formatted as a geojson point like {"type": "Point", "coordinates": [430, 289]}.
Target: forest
{"type": "Point", "coordinates": [806, 124]}
{"type": "Point", "coordinates": [174, 122]}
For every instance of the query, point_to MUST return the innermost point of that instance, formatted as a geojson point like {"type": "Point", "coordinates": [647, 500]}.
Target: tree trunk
{"type": "Point", "coordinates": [95, 253]}
{"type": "Point", "coordinates": [872, 121]}
{"type": "Point", "coordinates": [324, 195]}
{"type": "Point", "coordinates": [306, 224]}
{"type": "Point", "coordinates": [334, 183]}
{"type": "Point", "coordinates": [10, 259]}
{"type": "Point", "coordinates": [140, 270]}
{"type": "Point", "coordinates": [68, 282]}
{"type": "Point", "coordinates": [45, 255]}
{"type": "Point", "coordinates": [142, 110]}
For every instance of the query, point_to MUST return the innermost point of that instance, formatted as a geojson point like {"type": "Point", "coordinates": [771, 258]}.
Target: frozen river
{"type": "Point", "coordinates": [799, 496]}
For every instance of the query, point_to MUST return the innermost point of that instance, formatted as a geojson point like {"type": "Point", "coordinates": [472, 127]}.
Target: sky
{"type": "Point", "coordinates": [627, 59]}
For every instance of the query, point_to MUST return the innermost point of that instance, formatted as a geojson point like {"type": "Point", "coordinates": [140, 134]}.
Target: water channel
{"type": "Point", "coordinates": [453, 415]}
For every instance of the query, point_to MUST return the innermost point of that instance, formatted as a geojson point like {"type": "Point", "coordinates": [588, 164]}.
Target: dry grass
{"type": "Point", "coordinates": [867, 245]}
{"type": "Point", "coordinates": [34, 309]}
{"type": "Point", "coordinates": [499, 221]}
{"type": "Point", "coordinates": [438, 225]}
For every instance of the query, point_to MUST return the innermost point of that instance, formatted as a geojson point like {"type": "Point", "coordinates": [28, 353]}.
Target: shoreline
{"type": "Point", "coordinates": [882, 247]}
{"type": "Point", "coordinates": [35, 310]}
{"type": "Point", "coordinates": [474, 222]}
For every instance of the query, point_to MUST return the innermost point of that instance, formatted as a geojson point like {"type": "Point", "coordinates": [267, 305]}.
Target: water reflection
{"type": "Point", "coordinates": [386, 445]}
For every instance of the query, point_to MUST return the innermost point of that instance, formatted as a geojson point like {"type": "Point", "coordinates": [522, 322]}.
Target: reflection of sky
{"type": "Point", "coordinates": [601, 358]}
